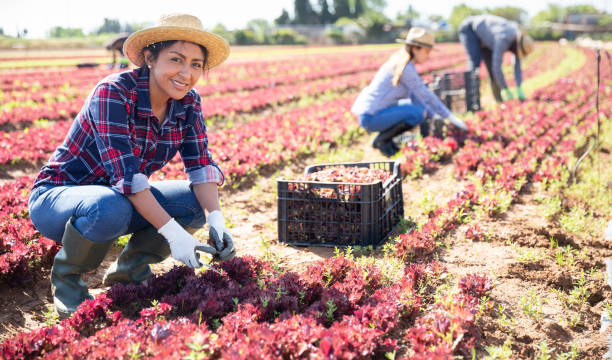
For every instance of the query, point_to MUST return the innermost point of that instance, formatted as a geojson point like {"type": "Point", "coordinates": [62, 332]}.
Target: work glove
{"type": "Point", "coordinates": [507, 94]}
{"type": "Point", "coordinates": [183, 245]}
{"type": "Point", "coordinates": [220, 236]}
{"type": "Point", "coordinates": [456, 122]}
{"type": "Point", "coordinates": [520, 94]}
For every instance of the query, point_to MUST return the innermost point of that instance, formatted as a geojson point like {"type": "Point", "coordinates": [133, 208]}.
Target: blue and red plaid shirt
{"type": "Point", "coordinates": [116, 140]}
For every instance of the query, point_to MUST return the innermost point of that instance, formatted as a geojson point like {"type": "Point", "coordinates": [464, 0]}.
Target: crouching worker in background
{"type": "Point", "coordinates": [383, 105]}
{"type": "Point", "coordinates": [95, 187]}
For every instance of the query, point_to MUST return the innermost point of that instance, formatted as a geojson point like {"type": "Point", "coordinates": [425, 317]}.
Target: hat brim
{"type": "Point", "coordinates": [218, 49]}
{"type": "Point", "coordinates": [409, 42]}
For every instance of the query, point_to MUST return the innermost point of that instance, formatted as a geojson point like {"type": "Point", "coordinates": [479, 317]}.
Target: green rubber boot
{"type": "Point", "coordinates": [145, 247]}
{"type": "Point", "coordinates": [77, 256]}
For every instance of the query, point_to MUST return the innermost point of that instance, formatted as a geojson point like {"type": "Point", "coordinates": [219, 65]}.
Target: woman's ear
{"type": "Point", "coordinates": [147, 57]}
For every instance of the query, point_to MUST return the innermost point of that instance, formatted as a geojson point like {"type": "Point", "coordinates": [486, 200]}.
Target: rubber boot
{"type": "Point", "coordinates": [384, 140]}
{"type": "Point", "coordinates": [77, 256]}
{"type": "Point", "coordinates": [144, 247]}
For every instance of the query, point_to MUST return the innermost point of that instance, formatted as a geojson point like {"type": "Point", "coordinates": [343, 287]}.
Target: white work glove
{"type": "Point", "coordinates": [220, 236]}
{"type": "Point", "coordinates": [183, 245]}
{"type": "Point", "coordinates": [456, 122]}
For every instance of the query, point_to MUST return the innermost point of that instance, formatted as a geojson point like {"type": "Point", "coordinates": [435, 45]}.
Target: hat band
{"type": "Point", "coordinates": [419, 43]}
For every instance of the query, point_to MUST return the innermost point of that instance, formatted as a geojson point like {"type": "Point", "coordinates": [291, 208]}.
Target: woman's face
{"type": "Point", "coordinates": [176, 69]}
{"type": "Point", "coordinates": [421, 54]}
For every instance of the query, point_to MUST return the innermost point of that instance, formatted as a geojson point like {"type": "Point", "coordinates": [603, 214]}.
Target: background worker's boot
{"type": "Point", "coordinates": [384, 140]}
{"type": "Point", "coordinates": [77, 256]}
{"type": "Point", "coordinates": [144, 247]}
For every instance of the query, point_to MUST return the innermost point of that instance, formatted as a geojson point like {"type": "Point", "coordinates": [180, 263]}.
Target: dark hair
{"type": "Point", "coordinates": [157, 47]}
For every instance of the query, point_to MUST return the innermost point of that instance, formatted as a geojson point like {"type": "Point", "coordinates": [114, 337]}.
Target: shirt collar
{"type": "Point", "coordinates": [145, 109]}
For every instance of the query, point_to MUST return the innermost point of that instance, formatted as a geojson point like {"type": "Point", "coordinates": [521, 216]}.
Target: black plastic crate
{"type": "Point", "coordinates": [459, 91]}
{"type": "Point", "coordinates": [360, 214]}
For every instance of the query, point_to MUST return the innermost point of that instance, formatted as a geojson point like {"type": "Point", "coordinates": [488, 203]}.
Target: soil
{"type": "Point", "coordinates": [251, 214]}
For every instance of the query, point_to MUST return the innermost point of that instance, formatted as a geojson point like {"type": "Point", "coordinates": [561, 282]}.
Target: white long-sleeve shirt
{"type": "Point", "coordinates": [381, 94]}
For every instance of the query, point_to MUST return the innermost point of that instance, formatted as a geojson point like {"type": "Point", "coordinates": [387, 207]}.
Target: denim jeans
{"type": "Point", "coordinates": [385, 119]}
{"type": "Point", "coordinates": [102, 214]}
{"type": "Point", "coordinates": [476, 54]}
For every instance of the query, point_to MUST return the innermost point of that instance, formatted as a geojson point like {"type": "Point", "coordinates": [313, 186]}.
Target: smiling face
{"type": "Point", "coordinates": [174, 71]}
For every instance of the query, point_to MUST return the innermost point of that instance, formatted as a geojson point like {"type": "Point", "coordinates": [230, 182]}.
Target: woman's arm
{"type": "Point", "coordinates": [150, 209]}
{"type": "Point", "coordinates": [518, 74]}
{"type": "Point", "coordinates": [412, 81]}
{"type": "Point", "coordinates": [208, 196]}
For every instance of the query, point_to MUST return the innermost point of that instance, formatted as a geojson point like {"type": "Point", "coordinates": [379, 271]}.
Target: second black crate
{"type": "Point", "coordinates": [459, 91]}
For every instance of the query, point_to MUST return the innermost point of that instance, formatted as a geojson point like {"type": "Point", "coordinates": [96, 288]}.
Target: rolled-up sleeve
{"type": "Point", "coordinates": [108, 111]}
{"type": "Point", "coordinates": [199, 165]}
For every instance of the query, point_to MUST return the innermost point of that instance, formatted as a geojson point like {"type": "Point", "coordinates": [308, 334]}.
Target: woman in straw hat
{"type": "Point", "coordinates": [95, 186]}
{"type": "Point", "coordinates": [381, 106]}
{"type": "Point", "coordinates": [487, 37]}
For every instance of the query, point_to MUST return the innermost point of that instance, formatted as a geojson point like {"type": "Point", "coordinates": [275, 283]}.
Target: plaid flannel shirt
{"type": "Point", "coordinates": [116, 140]}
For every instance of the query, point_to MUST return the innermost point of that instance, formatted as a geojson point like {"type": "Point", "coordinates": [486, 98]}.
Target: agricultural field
{"type": "Point", "coordinates": [500, 254]}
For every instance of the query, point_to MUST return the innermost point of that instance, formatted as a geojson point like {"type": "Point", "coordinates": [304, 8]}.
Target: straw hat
{"type": "Point", "coordinates": [177, 27]}
{"type": "Point", "coordinates": [418, 36]}
{"type": "Point", "coordinates": [525, 44]}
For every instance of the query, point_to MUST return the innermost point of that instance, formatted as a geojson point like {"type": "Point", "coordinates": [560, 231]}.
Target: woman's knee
{"type": "Point", "coordinates": [365, 121]}
{"type": "Point", "coordinates": [195, 220]}
{"type": "Point", "coordinates": [107, 219]}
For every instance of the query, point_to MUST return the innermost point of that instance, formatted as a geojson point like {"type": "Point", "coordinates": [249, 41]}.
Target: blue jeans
{"type": "Point", "coordinates": [476, 54]}
{"type": "Point", "coordinates": [410, 113]}
{"type": "Point", "coordinates": [102, 214]}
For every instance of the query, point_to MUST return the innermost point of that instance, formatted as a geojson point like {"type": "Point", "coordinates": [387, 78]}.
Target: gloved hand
{"type": "Point", "coordinates": [221, 236]}
{"type": "Point", "coordinates": [182, 244]}
{"type": "Point", "coordinates": [456, 122]}
{"type": "Point", "coordinates": [507, 94]}
{"type": "Point", "coordinates": [520, 94]}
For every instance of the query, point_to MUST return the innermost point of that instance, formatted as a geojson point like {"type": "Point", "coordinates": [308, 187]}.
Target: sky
{"type": "Point", "coordinates": [39, 16]}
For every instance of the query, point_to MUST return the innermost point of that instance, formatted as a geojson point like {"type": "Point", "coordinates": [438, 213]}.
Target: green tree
{"type": "Point", "coordinates": [283, 19]}
{"type": "Point", "coordinates": [511, 13]}
{"type": "Point", "coordinates": [287, 37]}
{"type": "Point", "coordinates": [582, 9]}
{"type": "Point", "coordinates": [325, 16]}
{"type": "Point", "coordinates": [460, 12]}
{"type": "Point", "coordinates": [408, 16]}
{"type": "Point", "coordinates": [109, 26]}
{"type": "Point", "coordinates": [304, 14]}
{"type": "Point", "coordinates": [358, 8]}
{"type": "Point", "coordinates": [244, 37]}
{"type": "Point", "coordinates": [342, 8]}
{"type": "Point", "coordinates": [539, 30]}
{"type": "Point", "coordinates": [60, 32]}
{"type": "Point", "coordinates": [374, 22]}
{"type": "Point", "coordinates": [260, 28]}
{"type": "Point", "coordinates": [222, 31]}
{"type": "Point", "coordinates": [376, 5]}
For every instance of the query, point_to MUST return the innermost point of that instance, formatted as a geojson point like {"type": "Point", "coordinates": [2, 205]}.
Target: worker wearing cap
{"type": "Point", "coordinates": [488, 37]}
{"type": "Point", "coordinates": [381, 107]}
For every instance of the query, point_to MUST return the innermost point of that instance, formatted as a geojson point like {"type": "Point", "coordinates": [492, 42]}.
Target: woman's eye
{"type": "Point", "coordinates": [197, 65]}
{"type": "Point", "coordinates": [175, 59]}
